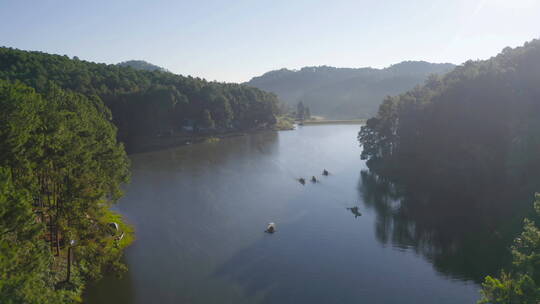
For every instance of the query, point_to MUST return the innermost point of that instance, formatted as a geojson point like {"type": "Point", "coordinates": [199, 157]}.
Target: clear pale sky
{"type": "Point", "coordinates": [228, 40]}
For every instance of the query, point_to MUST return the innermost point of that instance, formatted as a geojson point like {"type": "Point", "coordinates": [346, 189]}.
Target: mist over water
{"type": "Point", "coordinates": [200, 211]}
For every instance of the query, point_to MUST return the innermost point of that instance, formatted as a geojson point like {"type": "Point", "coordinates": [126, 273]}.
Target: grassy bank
{"type": "Point", "coordinates": [284, 123]}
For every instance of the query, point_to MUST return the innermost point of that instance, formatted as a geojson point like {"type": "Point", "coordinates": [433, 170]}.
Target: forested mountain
{"type": "Point", "coordinates": [476, 127]}
{"type": "Point", "coordinates": [141, 65]}
{"type": "Point", "coordinates": [146, 103]}
{"type": "Point", "coordinates": [345, 92]}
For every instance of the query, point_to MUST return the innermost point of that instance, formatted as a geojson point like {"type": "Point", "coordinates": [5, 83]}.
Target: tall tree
{"type": "Point", "coordinates": [24, 257]}
{"type": "Point", "coordinates": [62, 168]}
{"type": "Point", "coordinates": [300, 111]}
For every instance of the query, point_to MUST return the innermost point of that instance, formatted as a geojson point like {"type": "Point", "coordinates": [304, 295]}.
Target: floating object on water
{"type": "Point", "coordinates": [325, 173]}
{"type": "Point", "coordinates": [302, 180]}
{"type": "Point", "coordinates": [271, 228]}
{"type": "Point", "coordinates": [354, 210]}
{"type": "Point", "coordinates": [313, 179]}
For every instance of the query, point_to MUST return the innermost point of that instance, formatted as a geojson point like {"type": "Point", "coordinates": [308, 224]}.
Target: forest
{"type": "Point", "coordinates": [476, 125]}
{"type": "Point", "coordinates": [147, 103]}
{"type": "Point", "coordinates": [61, 168]}
{"type": "Point", "coordinates": [141, 65]}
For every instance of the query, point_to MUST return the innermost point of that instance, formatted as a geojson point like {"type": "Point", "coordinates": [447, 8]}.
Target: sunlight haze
{"type": "Point", "coordinates": [243, 39]}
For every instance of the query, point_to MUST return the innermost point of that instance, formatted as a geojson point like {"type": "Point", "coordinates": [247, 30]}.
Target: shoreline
{"type": "Point", "coordinates": [154, 143]}
{"type": "Point", "coordinates": [145, 144]}
{"type": "Point", "coordinates": [336, 122]}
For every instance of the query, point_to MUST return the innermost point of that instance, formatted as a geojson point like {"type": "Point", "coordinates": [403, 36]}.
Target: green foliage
{"type": "Point", "coordinates": [63, 169]}
{"type": "Point", "coordinates": [207, 121]}
{"type": "Point", "coordinates": [25, 259]}
{"type": "Point", "coordinates": [143, 102]}
{"type": "Point", "coordinates": [141, 65]}
{"type": "Point", "coordinates": [284, 123]}
{"type": "Point", "coordinates": [522, 284]}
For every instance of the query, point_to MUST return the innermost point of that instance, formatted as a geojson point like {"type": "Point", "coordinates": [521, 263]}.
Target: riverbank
{"type": "Point", "coordinates": [143, 144]}
{"type": "Point", "coordinates": [149, 143]}
{"type": "Point", "coordinates": [334, 122]}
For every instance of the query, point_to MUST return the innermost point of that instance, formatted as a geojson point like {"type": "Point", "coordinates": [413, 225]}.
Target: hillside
{"type": "Point", "coordinates": [345, 92]}
{"type": "Point", "coordinates": [147, 103]}
{"type": "Point", "coordinates": [141, 65]}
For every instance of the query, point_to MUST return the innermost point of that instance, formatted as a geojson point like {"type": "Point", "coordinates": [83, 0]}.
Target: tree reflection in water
{"type": "Point", "coordinates": [463, 236]}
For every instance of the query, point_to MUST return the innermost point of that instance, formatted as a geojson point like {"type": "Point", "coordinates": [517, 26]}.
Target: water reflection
{"type": "Point", "coordinates": [458, 234]}
{"type": "Point", "coordinates": [112, 289]}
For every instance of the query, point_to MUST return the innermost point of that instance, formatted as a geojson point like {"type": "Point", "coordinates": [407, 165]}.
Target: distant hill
{"type": "Point", "coordinates": [345, 92]}
{"type": "Point", "coordinates": [142, 65]}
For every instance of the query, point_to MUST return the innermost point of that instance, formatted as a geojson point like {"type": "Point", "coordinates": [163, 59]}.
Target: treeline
{"type": "Point", "coordinates": [141, 65]}
{"type": "Point", "coordinates": [475, 127]}
{"type": "Point", "coordinates": [60, 169]}
{"type": "Point", "coordinates": [146, 103]}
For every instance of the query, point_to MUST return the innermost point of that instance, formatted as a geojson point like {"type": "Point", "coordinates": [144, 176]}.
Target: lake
{"type": "Point", "coordinates": [200, 211]}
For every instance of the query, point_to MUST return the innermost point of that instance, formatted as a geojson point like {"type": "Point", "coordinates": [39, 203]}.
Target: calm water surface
{"type": "Point", "coordinates": [199, 212]}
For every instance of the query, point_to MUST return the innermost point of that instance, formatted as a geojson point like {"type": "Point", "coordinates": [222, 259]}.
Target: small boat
{"type": "Point", "coordinates": [302, 180]}
{"type": "Point", "coordinates": [354, 210]}
{"type": "Point", "coordinates": [313, 179]}
{"type": "Point", "coordinates": [271, 228]}
{"type": "Point", "coordinates": [325, 173]}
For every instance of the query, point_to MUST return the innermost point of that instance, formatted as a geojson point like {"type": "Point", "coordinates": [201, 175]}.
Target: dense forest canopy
{"type": "Point", "coordinates": [345, 92]}
{"type": "Point", "coordinates": [146, 103]}
{"type": "Point", "coordinates": [60, 169]}
{"type": "Point", "coordinates": [476, 126]}
{"type": "Point", "coordinates": [141, 65]}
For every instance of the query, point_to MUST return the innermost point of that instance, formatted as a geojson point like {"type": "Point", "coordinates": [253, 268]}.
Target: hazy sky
{"type": "Point", "coordinates": [230, 40]}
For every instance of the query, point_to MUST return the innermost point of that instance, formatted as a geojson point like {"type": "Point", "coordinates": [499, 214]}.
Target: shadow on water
{"type": "Point", "coordinates": [462, 236]}
{"type": "Point", "coordinates": [111, 289]}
